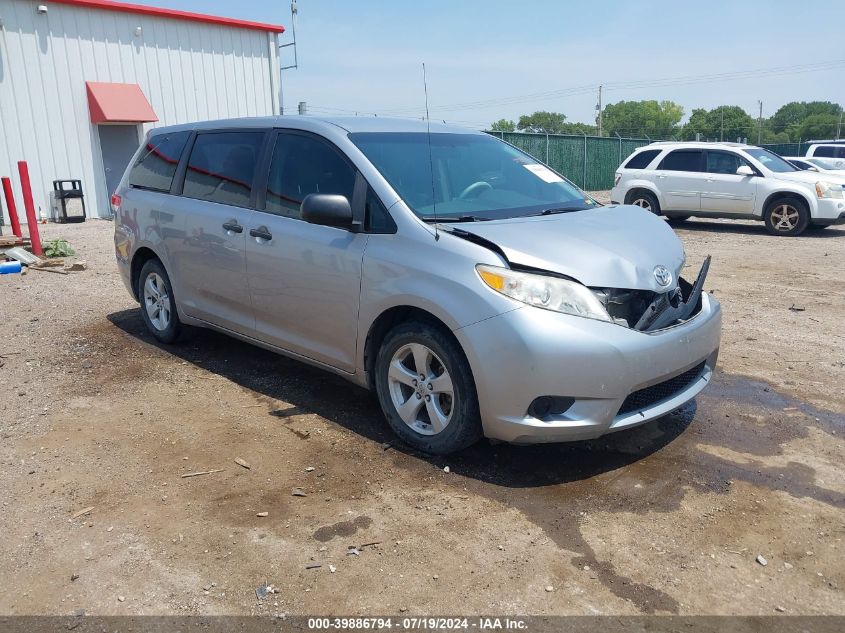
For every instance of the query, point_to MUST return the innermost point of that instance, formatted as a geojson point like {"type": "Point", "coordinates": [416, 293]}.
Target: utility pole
{"type": "Point", "coordinates": [294, 10]}
{"type": "Point", "coordinates": [598, 108]}
{"type": "Point", "coordinates": [760, 124]}
{"type": "Point", "coordinates": [722, 133]}
{"type": "Point", "coordinates": [839, 126]}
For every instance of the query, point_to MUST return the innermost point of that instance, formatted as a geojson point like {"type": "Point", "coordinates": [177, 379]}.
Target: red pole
{"type": "Point", "coordinates": [10, 204]}
{"type": "Point", "coordinates": [29, 205]}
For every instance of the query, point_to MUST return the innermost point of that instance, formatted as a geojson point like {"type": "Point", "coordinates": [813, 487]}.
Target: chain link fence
{"type": "Point", "coordinates": [591, 161]}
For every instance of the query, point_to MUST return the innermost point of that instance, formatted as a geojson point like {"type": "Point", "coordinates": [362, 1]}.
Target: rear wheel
{"type": "Point", "coordinates": [425, 387]}
{"type": "Point", "coordinates": [158, 306]}
{"type": "Point", "coordinates": [645, 200]}
{"type": "Point", "coordinates": [787, 217]}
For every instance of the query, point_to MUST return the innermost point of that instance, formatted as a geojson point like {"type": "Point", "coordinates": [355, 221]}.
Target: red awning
{"type": "Point", "coordinates": [118, 103]}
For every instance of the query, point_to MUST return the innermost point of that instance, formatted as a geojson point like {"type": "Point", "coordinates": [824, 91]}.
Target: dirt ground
{"type": "Point", "coordinates": [667, 518]}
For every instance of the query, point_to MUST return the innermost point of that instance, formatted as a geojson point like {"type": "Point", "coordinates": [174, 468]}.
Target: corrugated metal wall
{"type": "Point", "coordinates": [189, 71]}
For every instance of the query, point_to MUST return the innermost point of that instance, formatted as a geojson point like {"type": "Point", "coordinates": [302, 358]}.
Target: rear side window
{"type": "Point", "coordinates": [682, 160]}
{"type": "Point", "coordinates": [302, 165]}
{"type": "Point", "coordinates": [642, 159]}
{"type": "Point", "coordinates": [828, 151]}
{"type": "Point", "coordinates": [221, 167]}
{"type": "Point", "coordinates": [155, 167]}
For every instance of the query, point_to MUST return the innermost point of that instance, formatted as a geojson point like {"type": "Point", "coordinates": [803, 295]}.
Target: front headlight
{"type": "Point", "coordinates": [543, 291]}
{"type": "Point", "coordinates": [829, 190]}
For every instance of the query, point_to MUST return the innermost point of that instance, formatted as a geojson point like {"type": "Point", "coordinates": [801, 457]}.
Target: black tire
{"type": "Point", "coordinates": [464, 426]}
{"type": "Point", "coordinates": [789, 206]}
{"type": "Point", "coordinates": [644, 199]}
{"type": "Point", "coordinates": [816, 227]}
{"type": "Point", "coordinates": [173, 328]}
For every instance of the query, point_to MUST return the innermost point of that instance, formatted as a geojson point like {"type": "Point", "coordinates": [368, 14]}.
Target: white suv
{"type": "Point", "coordinates": [834, 151]}
{"type": "Point", "coordinates": [729, 180]}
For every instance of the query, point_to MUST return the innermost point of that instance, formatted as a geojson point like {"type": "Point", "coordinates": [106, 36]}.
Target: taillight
{"type": "Point", "coordinates": [115, 203]}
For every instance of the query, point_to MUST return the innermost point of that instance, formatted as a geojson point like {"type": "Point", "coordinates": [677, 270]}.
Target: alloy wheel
{"type": "Point", "coordinates": [157, 302]}
{"type": "Point", "coordinates": [421, 389]}
{"type": "Point", "coordinates": [643, 203]}
{"type": "Point", "coordinates": [785, 217]}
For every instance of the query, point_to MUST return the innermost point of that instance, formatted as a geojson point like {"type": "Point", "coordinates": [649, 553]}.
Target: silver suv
{"type": "Point", "coordinates": [474, 289]}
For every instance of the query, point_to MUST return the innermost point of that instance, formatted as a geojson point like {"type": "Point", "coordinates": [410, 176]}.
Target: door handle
{"type": "Point", "coordinates": [261, 233]}
{"type": "Point", "coordinates": [234, 227]}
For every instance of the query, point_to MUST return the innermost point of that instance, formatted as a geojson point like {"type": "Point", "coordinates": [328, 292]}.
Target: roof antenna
{"type": "Point", "coordinates": [430, 159]}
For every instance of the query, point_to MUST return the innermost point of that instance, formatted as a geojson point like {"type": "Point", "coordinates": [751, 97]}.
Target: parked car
{"type": "Point", "coordinates": [834, 151]}
{"type": "Point", "coordinates": [729, 180]}
{"type": "Point", "coordinates": [475, 290]}
{"type": "Point", "coordinates": [815, 164]}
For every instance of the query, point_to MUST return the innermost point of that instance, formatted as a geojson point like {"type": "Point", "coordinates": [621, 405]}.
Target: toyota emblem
{"type": "Point", "coordinates": [662, 275]}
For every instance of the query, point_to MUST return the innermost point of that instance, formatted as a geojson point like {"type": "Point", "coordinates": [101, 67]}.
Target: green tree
{"type": "Point", "coordinates": [818, 126]}
{"type": "Point", "coordinates": [638, 118]}
{"type": "Point", "coordinates": [725, 123]}
{"type": "Point", "coordinates": [791, 116]}
{"type": "Point", "coordinates": [542, 122]}
{"type": "Point", "coordinates": [503, 125]}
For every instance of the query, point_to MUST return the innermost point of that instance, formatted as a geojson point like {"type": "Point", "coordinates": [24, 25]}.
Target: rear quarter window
{"type": "Point", "coordinates": [641, 160]}
{"type": "Point", "coordinates": [222, 167]}
{"type": "Point", "coordinates": [155, 167]}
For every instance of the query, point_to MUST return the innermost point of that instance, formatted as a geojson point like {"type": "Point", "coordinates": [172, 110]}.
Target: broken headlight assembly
{"type": "Point", "coordinates": [829, 190]}
{"type": "Point", "coordinates": [544, 291]}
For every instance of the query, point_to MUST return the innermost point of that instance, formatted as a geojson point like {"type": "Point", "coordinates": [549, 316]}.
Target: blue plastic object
{"type": "Point", "coordinates": [7, 268]}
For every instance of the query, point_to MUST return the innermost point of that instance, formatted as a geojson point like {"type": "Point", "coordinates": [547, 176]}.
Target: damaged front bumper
{"type": "Point", "coordinates": [610, 377]}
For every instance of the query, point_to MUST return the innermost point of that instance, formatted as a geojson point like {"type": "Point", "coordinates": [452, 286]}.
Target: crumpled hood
{"type": "Point", "coordinates": [607, 247]}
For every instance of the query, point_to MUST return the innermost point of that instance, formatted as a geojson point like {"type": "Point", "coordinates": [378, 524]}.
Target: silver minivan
{"type": "Point", "coordinates": [474, 289]}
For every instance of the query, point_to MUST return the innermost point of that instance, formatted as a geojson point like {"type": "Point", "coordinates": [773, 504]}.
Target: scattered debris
{"type": "Point", "coordinates": [298, 492]}
{"type": "Point", "coordinates": [549, 588]}
{"type": "Point", "coordinates": [263, 514]}
{"type": "Point", "coordinates": [23, 256]}
{"type": "Point", "coordinates": [795, 308]}
{"type": "Point", "coordinates": [242, 462]}
{"type": "Point", "coordinates": [762, 560]}
{"type": "Point", "coordinates": [82, 512]}
{"type": "Point", "coordinates": [780, 609]}
{"type": "Point", "coordinates": [353, 551]}
{"type": "Point", "coordinates": [203, 472]}
{"type": "Point", "coordinates": [317, 566]}
{"type": "Point", "coordinates": [76, 267]}
{"type": "Point", "coordinates": [110, 528]}
{"type": "Point", "coordinates": [262, 591]}
{"type": "Point", "coordinates": [73, 577]}
{"type": "Point", "coordinates": [48, 269]}
{"type": "Point", "coordinates": [332, 568]}
{"type": "Point", "coordinates": [446, 469]}
{"type": "Point", "coordinates": [386, 445]}
{"type": "Point", "coordinates": [310, 469]}
{"type": "Point", "coordinates": [121, 598]}
{"type": "Point", "coordinates": [501, 548]}
{"type": "Point", "coordinates": [372, 544]}
{"type": "Point", "coordinates": [787, 565]}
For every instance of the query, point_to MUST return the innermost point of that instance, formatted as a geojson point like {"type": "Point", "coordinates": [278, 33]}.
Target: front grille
{"type": "Point", "coordinates": [650, 396]}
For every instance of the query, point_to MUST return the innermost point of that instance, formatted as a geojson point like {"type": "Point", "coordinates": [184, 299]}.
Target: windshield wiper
{"type": "Point", "coordinates": [556, 210]}
{"type": "Point", "coordinates": [451, 218]}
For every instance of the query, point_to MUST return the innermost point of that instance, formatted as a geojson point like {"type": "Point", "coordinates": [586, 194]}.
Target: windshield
{"type": "Point", "coordinates": [771, 161]}
{"type": "Point", "coordinates": [476, 176]}
{"type": "Point", "coordinates": [823, 164]}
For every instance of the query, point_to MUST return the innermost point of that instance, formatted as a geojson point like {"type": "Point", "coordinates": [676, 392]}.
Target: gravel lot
{"type": "Point", "coordinates": [667, 518]}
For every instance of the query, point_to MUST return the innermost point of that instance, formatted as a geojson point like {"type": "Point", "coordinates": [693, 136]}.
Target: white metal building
{"type": "Point", "coordinates": [82, 80]}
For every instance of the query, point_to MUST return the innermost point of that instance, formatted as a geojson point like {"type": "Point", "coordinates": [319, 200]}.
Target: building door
{"type": "Point", "coordinates": [117, 145]}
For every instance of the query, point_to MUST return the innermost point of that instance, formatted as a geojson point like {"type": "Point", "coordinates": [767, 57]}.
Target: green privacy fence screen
{"type": "Point", "coordinates": [591, 161]}
{"type": "Point", "coordinates": [588, 161]}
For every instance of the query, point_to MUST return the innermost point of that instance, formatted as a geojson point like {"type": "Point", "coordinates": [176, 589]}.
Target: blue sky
{"type": "Point", "coordinates": [365, 56]}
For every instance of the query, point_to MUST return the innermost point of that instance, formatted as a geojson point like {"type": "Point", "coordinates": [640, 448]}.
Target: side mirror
{"type": "Point", "coordinates": [744, 170]}
{"type": "Point", "coordinates": [327, 209]}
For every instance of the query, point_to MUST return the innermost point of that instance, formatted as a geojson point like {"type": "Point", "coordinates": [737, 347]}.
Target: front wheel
{"type": "Point", "coordinates": [787, 217]}
{"type": "Point", "coordinates": [158, 307]}
{"type": "Point", "coordinates": [425, 387]}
